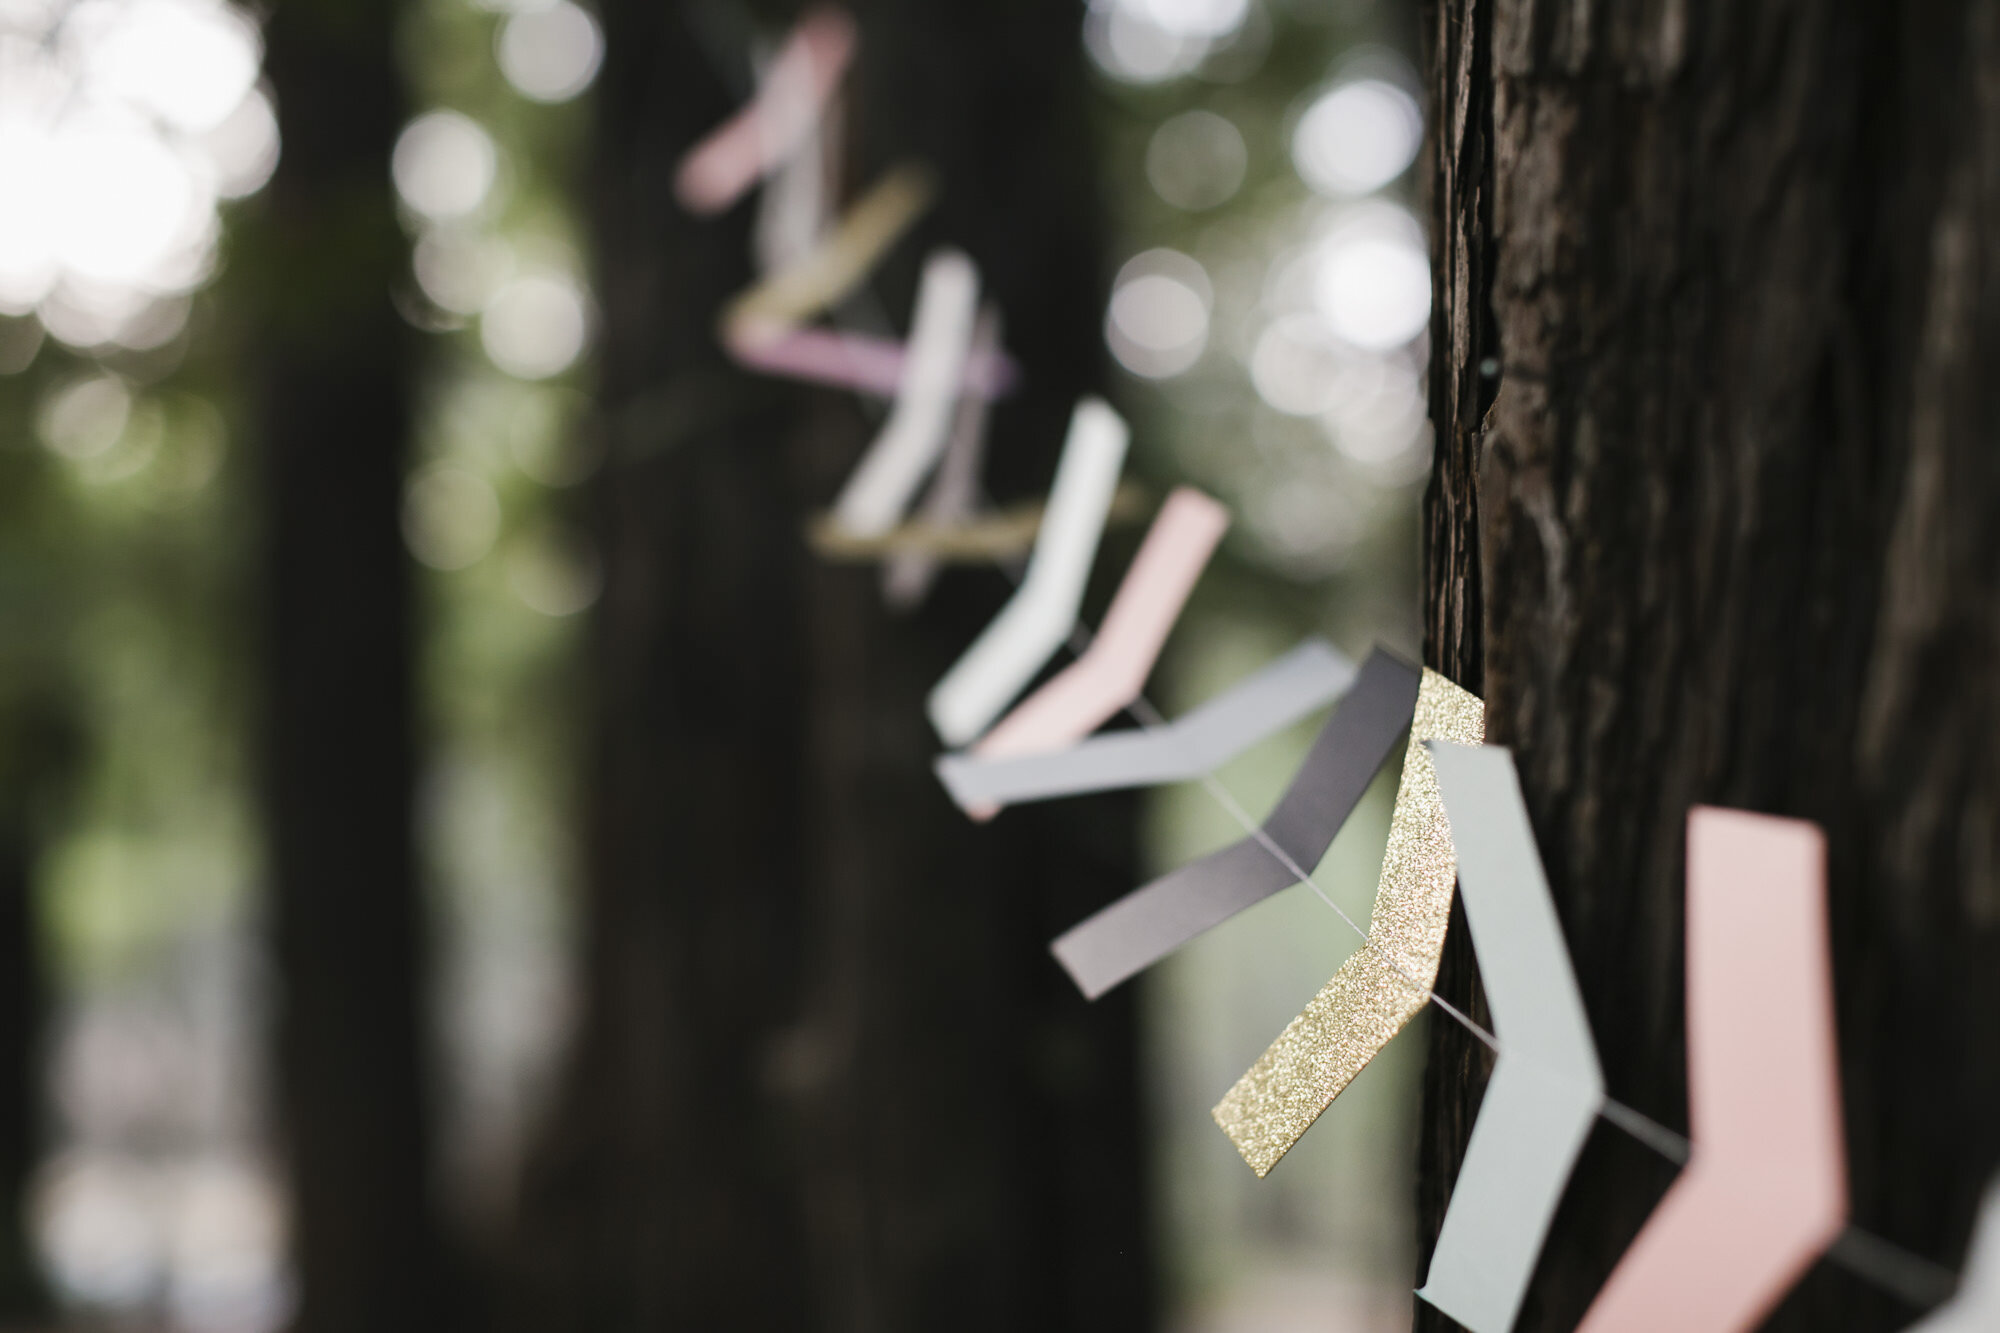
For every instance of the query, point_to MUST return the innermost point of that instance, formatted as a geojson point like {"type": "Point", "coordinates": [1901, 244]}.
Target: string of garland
{"type": "Point", "coordinates": [1389, 977]}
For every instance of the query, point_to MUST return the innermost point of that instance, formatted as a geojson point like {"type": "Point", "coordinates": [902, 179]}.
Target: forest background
{"type": "Point", "coordinates": [404, 598]}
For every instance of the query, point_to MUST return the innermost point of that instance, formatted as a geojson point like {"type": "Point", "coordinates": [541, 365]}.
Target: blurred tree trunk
{"type": "Point", "coordinates": [22, 1013]}
{"type": "Point", "coordinates": [40, 744]}
{"type": "Point", "coordinates": [37, 752]}
{"type": "Point", "coordinates": [1714, 520]}
{"type": "Point", "coordinates": [826, 1075]}
{"type": "Point", "coordinates": [23, 1010]}
{"type": "Point", "coordinates": [333, 366]}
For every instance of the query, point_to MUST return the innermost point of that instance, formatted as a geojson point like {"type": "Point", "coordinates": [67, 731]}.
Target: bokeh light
{"type": "Point", "coordinates": [1372, 277]}
{"type": "Point", "coordinates": [444, 165]}
{"type": "Point", "coordinates": [1296, 364]}
{"type": "Point", "coordinates": [188, 64]}
{"type": "Point", "coordinates": [460, 270]}
{"type": "Point", "coordinates": [1149, 41]}
{"type": "Point", "coordinates": [1196, 160]}
{"type": "Point", "coordinates": [101, 1231]}
{"type": "Point", "coordinates": [451, 516]}
{"type": "Point", "coordinates": [243, 148]}
{"type": "Point", "coordinates": [1157, 323]}
{"type": "Point", "coordinates": [28, 268]}
{"type": "Point", "coordinates": [116, 1228]}
{"type": "Point", "coordinates": [550, 55]}
{"type": "Point", "coordinates": [535, 325]}
{"type": "Point", "coordinates": [1357, 137]}
{"type": "Point", "coordinates": [125, 200]}
{"type": "Point", "coordinates": [84, 419]}
{"type": "Point", "coordinates": [227, 1249]}
{"type": "Point", "coordinates": [122, 122]}
{"type": "Point", "coordinates": [1203, 19]}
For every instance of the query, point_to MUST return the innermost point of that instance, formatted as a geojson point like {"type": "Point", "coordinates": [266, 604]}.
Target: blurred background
{"type": "Point", "coordinates": [215, 506]}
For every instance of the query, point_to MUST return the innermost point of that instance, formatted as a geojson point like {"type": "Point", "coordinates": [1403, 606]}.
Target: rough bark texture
{"type": "Point", "coordinates": [826, 1075]}
{"type": "Point", "coordinates": [1462, 380]}
{"type": "Point", "coordinates": [1726, 534]}
{"type": "Point", "coordinates": [332, 362]}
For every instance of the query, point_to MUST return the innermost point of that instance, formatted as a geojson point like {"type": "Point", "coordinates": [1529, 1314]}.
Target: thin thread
{"type": "Point", "coordinates": [1894, 1269]}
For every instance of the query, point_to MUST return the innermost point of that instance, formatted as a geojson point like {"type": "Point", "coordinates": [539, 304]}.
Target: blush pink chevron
{"type": "Point", "coordinates": [1113, 670]}
{"type": "Point", "coordinates": [857, 361]}
{"type": "Point", "coordinates": [750, 144]}
{"type": "Point", "coordinates": [1765, 1188]}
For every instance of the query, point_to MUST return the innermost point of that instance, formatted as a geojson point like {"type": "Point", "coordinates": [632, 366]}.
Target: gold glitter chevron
{"type": "Point", "coordinates": [1387, 981]}
{"type": "Point", "coordinates": [838, 264]}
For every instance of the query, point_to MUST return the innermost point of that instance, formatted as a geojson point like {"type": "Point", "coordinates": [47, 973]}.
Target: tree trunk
{"type": "Point", "coordinates": [333, 371]}
{"type": "Point", "coordinates": [37, 735]}
{"type": "Point", "coordinates": [1715, 523]}
{"type": "Point", "coordinates": [826, 1076]}
{"type": "Point", "coordinates": [40, 745]}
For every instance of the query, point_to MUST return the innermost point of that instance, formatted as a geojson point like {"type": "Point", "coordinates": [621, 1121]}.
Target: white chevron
{"type": "Point", "coordinates": [1034, 623]}
{"type": "Point", "coordinates": [1546, 1086]}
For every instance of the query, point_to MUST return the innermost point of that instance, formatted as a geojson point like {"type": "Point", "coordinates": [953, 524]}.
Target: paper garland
{"type": "Point", "coordinates": [1764, 1190]}
{"type": "Point", "coordinates": [1004, 534]}
{"type": "Point", "coordinates": [777, 122]}
{"type": "Point", "coordinates": [1546, 1087]}
{"type": "Point", "coordinates": [1149, 923]}
{"type": "Point", "coordinates": [954, 490]}
{"type": "Point", "coordinates": [913, 437]}
{"type": "Point", "coordinates": [1308, 678]}
{"type": "Point", "coordinates": [1976, 1307]}
{"type": "Point", "coordinates": [1035, 622]}
{"type": "Point", "coordinates": [1109, 675]}
{"type": "Point", "coordinates": [1386, 982]}
{"type": "Point", "coordinates": [865, 364]}
{"type": "Point", "coordinates": [835, 266]}
{"type": "Point", "coordinates": [799, 193]}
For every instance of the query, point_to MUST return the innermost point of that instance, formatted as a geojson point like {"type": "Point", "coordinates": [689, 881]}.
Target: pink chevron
{"type": "Point", "coordinates": [1113, 670]}
{"type": "Point", "coordinates": [746, 147]}
{"type": "Point", "coordinates": [1765, 1188]}
{"type": "Point", "coordinates": [854, 361]}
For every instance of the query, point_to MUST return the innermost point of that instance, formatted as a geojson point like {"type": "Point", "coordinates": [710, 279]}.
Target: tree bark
{"type": "Point", "coordinates": [333, 366]}
{"type": "Point", "coordinates": [1718, 527]}
{"type": "Point", "coordinates": [826, 1075]}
